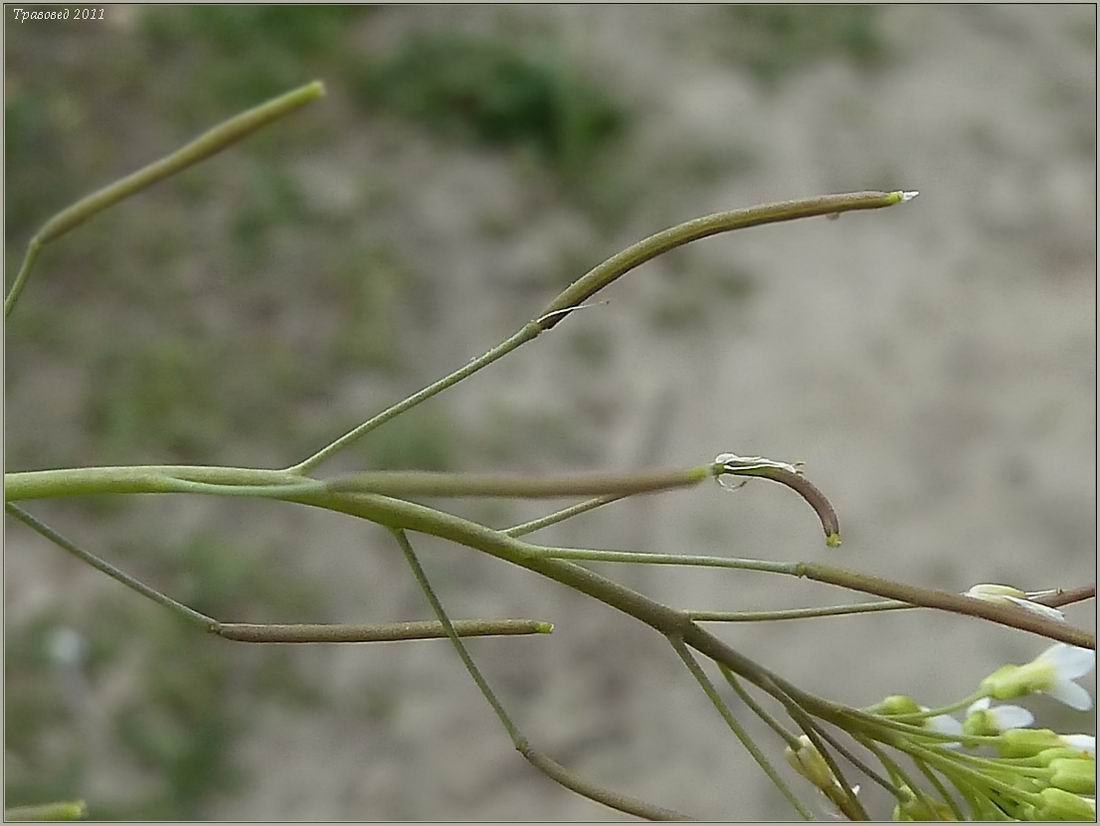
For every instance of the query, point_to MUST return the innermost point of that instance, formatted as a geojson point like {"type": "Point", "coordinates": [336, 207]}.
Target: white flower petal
{"type": "Point", "coordinates": [1069, 661]}
{"type": "Point", "coordinates": [1037, 608]}
{"type": "Point", "coordinates": [1081, 742]}
{"type": "Point", "coordinates": [993, 592]}
{"type": "Point", "coordinates": [944, 724]}
{"type": "Point", "coordinates": [979, 705]}
{"type": "Point", "coordinates": [1008, 717]}
{"type": "Point", "coordinates": [1068, 692]}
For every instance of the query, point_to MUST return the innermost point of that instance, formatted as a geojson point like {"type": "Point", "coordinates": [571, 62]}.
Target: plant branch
{"type": "Point", "coordinates": [798, 613]}
{"type": "Point", "coordinates": [560, 516]}
{"type": "Point", "coordinates": [178, 608]}
{"type": "Point", "coordinates": [67, 810]}
{"type": "Point", "coordinates": [207, 144]}
{"type": "Point", "coordinates": [738, 730]}
{"type": "Point", "coordinates": [391, 512]}
{"type": "Point", "coordinates": [575, 295]}
{"type": "Point", "coordinates": [379, 632]}
{"type": "Point", "coordinates": [956, 603]}
{"type": "Point", "coordinates": [284, 633]}
{"type": "Point", "coordinates": [546, 765]}
{"type": "Point", "coordinates": [1068, 596]}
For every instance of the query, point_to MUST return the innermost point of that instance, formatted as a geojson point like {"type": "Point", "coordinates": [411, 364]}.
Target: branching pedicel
{"type": "Point", "coordinates": [1020, 772]}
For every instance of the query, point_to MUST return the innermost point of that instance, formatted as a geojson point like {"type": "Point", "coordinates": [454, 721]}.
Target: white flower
{"type": "Point", "coordinates": [1008, 595]}
{"type": "Point", "coordinates": [981, 719]}
{"type": "Point", "coordinates": [943, 724]}
{"type": "Point", "coordinates": [1053, 672]}
{"type": "Point", "coordinates": [1082, 742]}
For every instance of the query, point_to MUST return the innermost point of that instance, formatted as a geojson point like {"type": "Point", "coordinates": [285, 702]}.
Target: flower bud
{"type": "Point", "coordinates": [1027, 742]}
{"type": "Point", "coordinates": [809, 763]}
{"type": "Point", "coordinates": [896, 704]}
{"type": "Point", "coordinates": [1077, 775]}
{"type": "Point", "coordinates": [914, 808]}
{"type": "Point", "coordinates": [1062, 805]}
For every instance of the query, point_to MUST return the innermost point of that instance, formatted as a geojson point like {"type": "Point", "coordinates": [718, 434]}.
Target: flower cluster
{"type": "Point", "coordinates": [998, 765]}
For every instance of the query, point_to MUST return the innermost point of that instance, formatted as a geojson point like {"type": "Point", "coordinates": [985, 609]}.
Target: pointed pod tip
{"type": "Point", "coordinates": [833, 540]}
{"type": "Point", "coordinates": [545, 627]}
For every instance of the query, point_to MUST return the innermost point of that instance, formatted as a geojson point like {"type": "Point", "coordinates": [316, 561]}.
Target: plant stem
{"type": "Point", "coordinates": [738, 730]}
{"type": "Point", "coordinates": [573, 296]}
{"type": "Point", "coordinates": [560, 516]}
{"type": "Point", "coordinates": [757, 709]}
{"type": "Point", "coordinates": [600, 276]}
{"type": "Point", "coordinates": [939, 786]}
{"type": "Point", "coordinates": [797, 613]}
{"type": "Point", "coordinates": [956, 603]}
{"type": "Point", "coordinates": [421, 483]}
{"type": "Point", "coordinates": [393, 512]}
{"type": "Point", "coordinates": [895, 771]}
{"type": "Point", "coordinates": [936, 712]}
{"type": "Point", "coordinates": [178, 608]}
{"type": "Point", "coordinates": [67, 810]}
{"type": "Point", "coordinates": [380, 632]}
{"type": "Point", "coordinates": [283, 633]}
{"type": "Point", "coordinates": [549, 767]}
{"type": "Point", "coordinates": [646, 558]}
{"type": "Point", "coordinates": [207, 144]}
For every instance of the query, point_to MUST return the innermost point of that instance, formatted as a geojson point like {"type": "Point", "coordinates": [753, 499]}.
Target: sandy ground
{"type": "Point", "coordinates": [933, 364]}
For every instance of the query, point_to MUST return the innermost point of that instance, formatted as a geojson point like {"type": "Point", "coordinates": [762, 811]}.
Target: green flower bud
{"type": "Point", "coordinates": [1075, 775]}
{"type": "Point", "coordinates": [1062, 805]}
{"type": "Point", "coordinates": [1047, 756]}
{"type": "Point", "coordinates": [1053, 672]}
{"type": "Point", "coordinates": [981, 723]}
{"type": "Point", "coordinates": [809, 763]}
{"type": "Point", "coordinates": [916, 809]}
{"type": "Point", "coordinates": [1026, 742]}
{"type": "Point", "coordinates": [896, 704]}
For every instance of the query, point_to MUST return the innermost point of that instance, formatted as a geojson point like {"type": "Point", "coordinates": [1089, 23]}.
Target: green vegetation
{"type": "Point", "coordinates": [490, 93]}
{"type": "Point", "coordinates": [773, 41]}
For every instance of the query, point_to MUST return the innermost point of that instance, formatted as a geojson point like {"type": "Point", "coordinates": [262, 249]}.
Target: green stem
{"type": "Point", "coordinates": [896, 771]}
{"type": "Point", "coordinates": [527, 333]}
{"type": "Point", "coordinates": [600, 276]}
{"type": "Point", "coordinates": [178, 608]}
{"type": "Point", "coordinates": [859, 764]}
{"type": "Point", "coordinates": [68, 810]}
{"type": "Point", "coordinates": [207, 144]}
{"type": "Point", "coordinates": [573, 296]}
{"type": "Point", "coordinates": [950, 766]}
{"type": "Point", "coordinates": [848, 803]}
{"type": "Point", "coordinates": [939, 786]}
{"type": "Point", "coordinates": [560, 516]}
{"type": "Point", "coordinates": [757, 709]}
{"type": "Point", "coordinates": [956, 603]}
{"type": "Point", "coordinates": [797, 613]}
{"type": "Point", "coordinates": [385, 510]}
{"type": "Point", "coordinates": [421, 483]}
{"type": "Point", "coordinates": [552, 769]}
{"type": "Point", "coordinates": [379, 632]}
{"type": "Point", "coordinates": [285, 633]}
{"type": "Point", "coordinates": [33, 249]}
{"type": "Point", "coordinates": [936, 712]}
{"type": "Point", "coordinates": [738, 730]}
{"type": "Point", "coordinates": [647, 558]}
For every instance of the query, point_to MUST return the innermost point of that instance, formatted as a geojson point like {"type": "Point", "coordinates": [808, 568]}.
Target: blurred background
{"type": "Point", "coordinates": [933, 364]}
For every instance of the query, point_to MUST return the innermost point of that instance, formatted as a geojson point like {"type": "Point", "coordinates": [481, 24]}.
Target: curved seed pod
{"type": "Point", "coordinates": [786, 474]}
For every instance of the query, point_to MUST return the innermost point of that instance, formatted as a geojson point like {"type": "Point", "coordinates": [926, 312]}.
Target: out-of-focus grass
{"type": "Point", "coordinates": [773, 41]}
{"type": "Point", "coordinates": [488, 92]}
{"type": "Point", "coordinates": [249, 53]}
